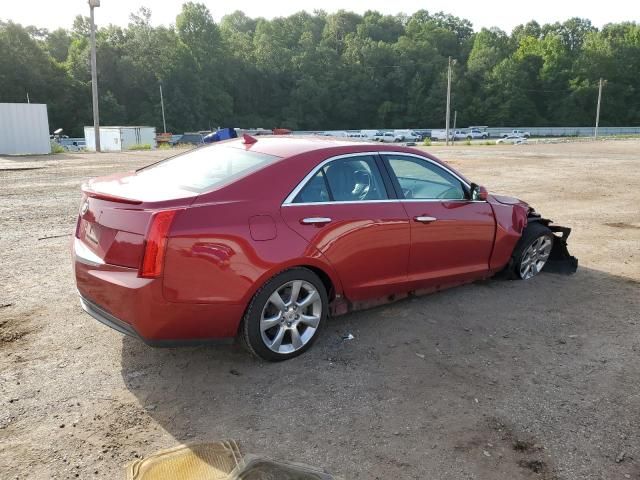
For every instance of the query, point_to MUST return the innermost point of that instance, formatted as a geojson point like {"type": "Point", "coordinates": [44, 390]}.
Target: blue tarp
{"type": "Point", "coordinates": [222, 134]}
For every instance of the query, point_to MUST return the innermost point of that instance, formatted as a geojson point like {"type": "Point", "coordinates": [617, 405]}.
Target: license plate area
{"type": "Point", "coordinates": [93, 233]}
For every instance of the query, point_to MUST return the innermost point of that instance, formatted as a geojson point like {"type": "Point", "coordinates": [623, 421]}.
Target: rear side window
{"type": "Point", "coordinates": [204, 168]}
{"type": "Point", "coordinates": [345, 180]}
{"type": "Point", "coordinates": [315, 190]}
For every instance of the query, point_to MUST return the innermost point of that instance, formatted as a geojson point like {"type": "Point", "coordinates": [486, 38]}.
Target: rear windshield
{"type": "Point", "coordinates": [203, 168]}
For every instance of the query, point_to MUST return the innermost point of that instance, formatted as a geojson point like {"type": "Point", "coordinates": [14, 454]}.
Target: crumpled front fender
{"type": "Point", "coordinates": [560, 260]}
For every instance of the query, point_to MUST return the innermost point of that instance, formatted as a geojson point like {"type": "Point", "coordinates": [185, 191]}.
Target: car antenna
{"type": "Point", "coordinates": [248, 139]}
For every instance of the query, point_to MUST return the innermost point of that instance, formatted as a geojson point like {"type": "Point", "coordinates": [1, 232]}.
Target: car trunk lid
{"type": "Point", "coordinates": [113, 220]}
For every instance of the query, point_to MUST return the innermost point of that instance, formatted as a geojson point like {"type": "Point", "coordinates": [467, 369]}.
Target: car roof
{"type": "Point", "coordinates": [287, 150]}
{"type": "Point", "coordinates": [288, 146]}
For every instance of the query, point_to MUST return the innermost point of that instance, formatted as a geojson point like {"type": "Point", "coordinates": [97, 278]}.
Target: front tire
{"type": "Point", "coordinates": [285, 315]}
{"type": "Point", "coordinates": [532, 251]}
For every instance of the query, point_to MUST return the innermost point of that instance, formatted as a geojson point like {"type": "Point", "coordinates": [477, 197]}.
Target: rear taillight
{"type": "Point", "coordinates": [155, 244]}
{"type": "Point", "coordinates": [84, 206]}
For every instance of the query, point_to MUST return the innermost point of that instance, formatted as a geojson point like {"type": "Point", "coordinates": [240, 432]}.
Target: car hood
{"type": "Point", "coordinates": [507, 200]}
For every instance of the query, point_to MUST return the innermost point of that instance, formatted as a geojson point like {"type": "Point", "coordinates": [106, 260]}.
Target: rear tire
{"type": "Point", "coordinates": [285, 315]}
{"type": "Point", "coordinates": [532, 251]}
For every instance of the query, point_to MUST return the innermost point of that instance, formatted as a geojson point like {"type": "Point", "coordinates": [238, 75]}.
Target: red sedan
{"type": "Point", "coordinates": [262, 239]}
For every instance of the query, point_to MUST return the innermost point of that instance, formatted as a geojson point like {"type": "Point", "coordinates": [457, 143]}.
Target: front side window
{"type": "Point", "coordinates": [420, 179]}
{"type": "Point", "coordinates": [350, 179]}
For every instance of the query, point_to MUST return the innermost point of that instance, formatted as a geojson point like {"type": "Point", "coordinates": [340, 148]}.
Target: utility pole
{"type": "Point", "coordinates": [449, 74]}
{"type": "Point", "coordinates": [164, 122]}
{"type": "Point", "coordinates": [595, 133]}
{"type": "Point", "coordinates": [446, 133]}
{"type": "Point", "coordinates": [94, 76]}
{"type": "Point", "coordinates": [28, 100]}
{"type": "Point", "coordinates": [455, 118]}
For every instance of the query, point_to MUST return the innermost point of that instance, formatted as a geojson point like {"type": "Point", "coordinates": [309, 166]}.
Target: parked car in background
{"type": "Point", "coordinates": [336, 133]}
{"type": "Point", "coordinates": [423, 133]}
{"type": "Point", "coordinates": [440, 135]}
{"type": "Point", "coordinates": [175, 139]}
{"type": "Point", "coordinates": [359, 135]}
{"type": "Point", "coordinates": [387, 137]}
{"type": "Point", "coordinates": [257, 131]}
{"type": "Point", "coordinates": [407, 135]}
{"type": "Point", "coordinates": [369, 133]}
{"type": "Point", "coordinates": [480, 128]}
{"type": "Point", "coordinates": [194, 247]}
{"type": "Point", "coordinates": [192, 138]}
{"type": "Point", "coordinates": [475, 133]}
{"type": "Point", "coordinates": [516, 133]}
{"type": "Point", "coordinates": [512, 139]}
{"type": "Point", "coordinates": [459, 135]}
{"type": "Point", "coordinates": [72, 144]}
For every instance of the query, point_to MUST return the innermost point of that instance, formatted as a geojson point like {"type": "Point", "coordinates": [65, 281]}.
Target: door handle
{"type": "Point", "coordinates": [315, 221]}
{"type": "Point", "coordinates": [424, 219]}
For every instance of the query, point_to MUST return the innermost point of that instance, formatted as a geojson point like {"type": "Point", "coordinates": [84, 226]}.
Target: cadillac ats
{"type": "Point", "coordinates": [263, 239]}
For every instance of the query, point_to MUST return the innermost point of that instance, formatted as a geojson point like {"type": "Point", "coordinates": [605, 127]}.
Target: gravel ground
{"type": "Point", "coordinates": [494, 380]}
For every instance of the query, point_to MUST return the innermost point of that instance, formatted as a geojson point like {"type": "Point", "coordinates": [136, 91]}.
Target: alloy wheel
{"type": "Point", "coordinates": [535, 257]}
{"type": "Point", "coordinates": [291, 316]}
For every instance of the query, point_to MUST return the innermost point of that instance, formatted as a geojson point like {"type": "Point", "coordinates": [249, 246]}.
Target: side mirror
{"type": "Point", "coordinates": [479, 193]}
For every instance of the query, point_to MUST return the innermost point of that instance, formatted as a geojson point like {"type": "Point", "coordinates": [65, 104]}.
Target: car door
{"type": "Point", "coordinates": [349, 211]}
{"type": "Point", "coordinates": [451, 235]}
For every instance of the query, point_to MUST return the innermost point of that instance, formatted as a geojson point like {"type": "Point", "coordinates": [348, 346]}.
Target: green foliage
{"type": "Point", "coordinates": [467, 141]}
{"type": "Point", "coordinates": [140, 146]}
{"type": "Point", "coordinates": [426, 142]}
{"type": "Point", "coordinates": [57, 148]}
{"type": "Point", "coordinates": [324, 71]}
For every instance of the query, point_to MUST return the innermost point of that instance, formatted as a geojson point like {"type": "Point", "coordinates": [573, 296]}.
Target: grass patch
{"type": "Point", "coordinates": [426, 142]}
{"type": "Point", "coordinates": [140, 146]}
{"type": "Point", "coordinates": [57, 148]}
{"type": "Point", "coordinates": [621, 135]}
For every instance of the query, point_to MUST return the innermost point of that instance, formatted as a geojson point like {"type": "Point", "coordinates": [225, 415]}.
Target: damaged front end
{"type": "Point", "coordinates": [560, 260]}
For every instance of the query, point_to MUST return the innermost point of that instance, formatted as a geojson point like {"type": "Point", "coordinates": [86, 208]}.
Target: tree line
{"type": "Point", "coordinates": [324, 71]}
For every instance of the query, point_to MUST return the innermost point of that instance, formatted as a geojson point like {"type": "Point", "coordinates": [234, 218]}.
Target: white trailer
{"type": "Point", "coordinates": [115, 139]}
{"type": "Point", "coordinates": [24, 129]}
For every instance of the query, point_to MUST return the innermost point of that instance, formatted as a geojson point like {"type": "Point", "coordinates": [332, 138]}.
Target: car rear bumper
{"type": "Point", "coordinates": [107, 319]}
{"type": "Point", "coordinates": [134, 306]}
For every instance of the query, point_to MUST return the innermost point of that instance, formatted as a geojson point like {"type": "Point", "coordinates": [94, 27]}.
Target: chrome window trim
{"type": "Point", "coordinates": [420, 157]}
{"type": "Point", "coordinates": [310, 175]}
{"type": "Point", "coordinates": [341, 202]}
{"type": "Point", "coordinates": [391, 200]}
{"type": "Point", "coordinates": [448, 200]}
{"type": "Point", "coordinates": [288, 202]}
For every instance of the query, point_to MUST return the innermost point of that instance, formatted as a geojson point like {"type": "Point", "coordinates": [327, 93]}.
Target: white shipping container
{"type": "Point", "coordinates": [115, 139]}
{"type": "Point", "coordinates": [24, 129]}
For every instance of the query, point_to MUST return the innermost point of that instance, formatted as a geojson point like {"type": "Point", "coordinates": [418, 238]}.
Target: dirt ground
{"type": "Point", "coordinates": [495, 380]}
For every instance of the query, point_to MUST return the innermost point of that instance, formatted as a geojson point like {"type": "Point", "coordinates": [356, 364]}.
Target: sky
{"type": "Point", "coordinates": [500, 13]}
